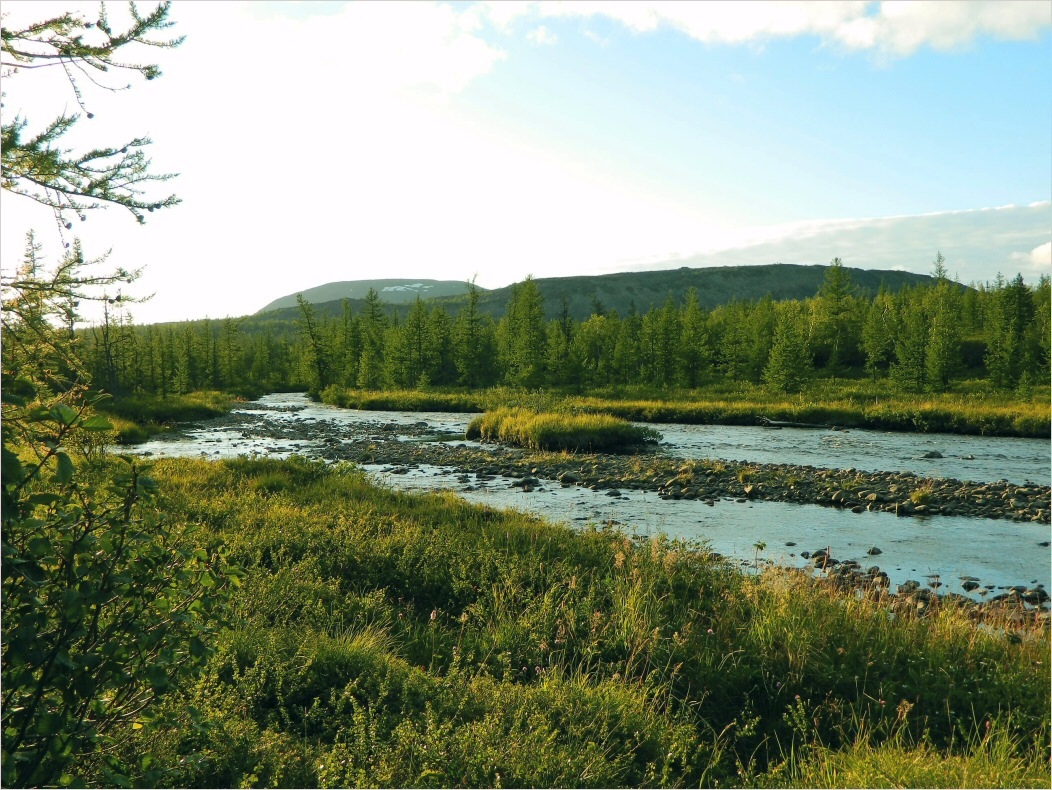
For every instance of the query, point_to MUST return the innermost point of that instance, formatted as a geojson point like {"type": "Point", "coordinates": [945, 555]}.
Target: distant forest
{"type": "Point", "coordinates": [920, 338]}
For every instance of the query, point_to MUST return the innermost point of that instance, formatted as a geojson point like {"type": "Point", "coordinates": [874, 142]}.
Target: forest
{"type": "Point", "coordinates": [919, 339]}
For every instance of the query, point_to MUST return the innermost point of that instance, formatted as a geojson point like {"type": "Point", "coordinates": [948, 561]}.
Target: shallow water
{"type": "Point", "coordinates": [998, 553]}
{"type": "Point", "coordinates": [944, 548]}
{"type": "Point", "coordinates": [976, 458]}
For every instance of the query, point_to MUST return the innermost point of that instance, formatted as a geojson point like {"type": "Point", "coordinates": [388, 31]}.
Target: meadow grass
{"type": "Point", "coordinates": [559, 431]}
{"type": "Point", "coordinates": [389, 639]}
{"type": "Point", "coordinates": [136, 417]}
{"type": "Point", "coordinates": [969, 407]}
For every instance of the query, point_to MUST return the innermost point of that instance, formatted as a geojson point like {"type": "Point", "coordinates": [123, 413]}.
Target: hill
{"type": "Point", "coordinates": [391, 291]}
{"type": "Point", "coordinates": [625, 291]}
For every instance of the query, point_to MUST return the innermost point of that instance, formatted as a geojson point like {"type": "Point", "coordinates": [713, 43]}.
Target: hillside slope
{"type": "Point", "coordinates": [391, 291]}
{"type": "Point", "coordinates": [625, 291]}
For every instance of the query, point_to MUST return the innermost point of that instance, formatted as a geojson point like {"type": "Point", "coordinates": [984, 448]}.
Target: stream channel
{"type": "Point", "coordinates": [931, 550]}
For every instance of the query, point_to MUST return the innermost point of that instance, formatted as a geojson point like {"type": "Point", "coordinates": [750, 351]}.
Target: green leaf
{"type": "Point", "coordinates": [63, 414]}
{"type": "Point", "coordinates": [40, 546]}
{"type": "Point", "coordinates": [12, 472]}
{"type": "Point", "coordinates": [97, 423]}
{"type": "Point", "coordinates": [18, 392]}
{"type": "Point", "coordinates": [65, 468]}
{"type": "Point", "coordinates": [197, 647]}
{"type": "Point", "coordinates": [45, 498]}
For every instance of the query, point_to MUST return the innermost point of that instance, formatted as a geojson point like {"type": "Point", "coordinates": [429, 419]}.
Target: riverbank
{"type": "Point", "coordinates": [971, 408]}
{"type": "Point", "coordinates": [407, 640]}
{"type": "Point", "coordinates": [135, 418]}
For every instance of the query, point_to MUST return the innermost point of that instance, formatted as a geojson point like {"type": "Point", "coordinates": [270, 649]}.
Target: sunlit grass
{"type": "Point", "coordinates": [136, 417]}
{"type": "Point", "coordinates": [559, 431]}
{"type": "Point", "coordinates": [415, 640]}
{"type": "Point", "coordinates": [971, 407]}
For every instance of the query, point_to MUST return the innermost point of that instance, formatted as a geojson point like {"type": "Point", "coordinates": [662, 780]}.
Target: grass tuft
{"type": "Point", "coordinates": [560, 431]}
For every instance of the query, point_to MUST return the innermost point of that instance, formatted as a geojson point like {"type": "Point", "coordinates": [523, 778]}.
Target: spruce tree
{"type": "Point", "coordinates": [878, 333]}
{"type": "Point", "coordinates": [693, 342]}
{"type": "Point", "coordinates": [837, 300]}
{"type": "Point", "coordinates": [787, 365]}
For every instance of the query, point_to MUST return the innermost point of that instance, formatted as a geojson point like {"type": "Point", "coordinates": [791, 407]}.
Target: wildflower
{"type": "Point", "coordinates": [710, 631]}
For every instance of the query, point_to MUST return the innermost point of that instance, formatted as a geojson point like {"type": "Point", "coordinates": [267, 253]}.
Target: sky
{"type": "Point", "coordinates": [326, 141]}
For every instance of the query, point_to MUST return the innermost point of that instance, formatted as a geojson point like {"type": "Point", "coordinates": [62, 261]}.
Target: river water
{"type": "Point", "coordinates": [940, 549]}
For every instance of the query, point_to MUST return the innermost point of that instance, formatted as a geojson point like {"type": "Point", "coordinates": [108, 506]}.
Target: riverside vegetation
{"type": "Point", "coordinates": [416, 640]}
{"type": "Point", "coordinates": [559, 431]}
{"type": "Point", "coordinates": [256, 622]}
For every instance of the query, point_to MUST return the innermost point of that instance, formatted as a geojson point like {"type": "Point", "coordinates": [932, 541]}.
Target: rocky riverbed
{"type": "Point", "coordinates": [616, 489]}
{"type": "Point", "coordinates": [672, 478]}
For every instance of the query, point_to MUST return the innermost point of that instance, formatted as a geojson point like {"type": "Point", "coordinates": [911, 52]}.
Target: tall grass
{"type": "Point", "coordinates": [559, 431]}
{"type": "Point", "coordinates": [416, 640]}
{"type": "Point", "coordinates": [136, 417]}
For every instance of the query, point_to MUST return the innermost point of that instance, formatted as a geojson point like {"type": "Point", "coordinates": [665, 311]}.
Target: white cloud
{"type": "Point", "coordinates": [1036, 262]}
{"type": "Point", "coordinates": [977, 243]}
{"type": "Point", "coordinates": [542, 36]}
{"type": "Point", "coordinates": [594, 37]}
{"type": "Point", "coordinates": [896, 28]}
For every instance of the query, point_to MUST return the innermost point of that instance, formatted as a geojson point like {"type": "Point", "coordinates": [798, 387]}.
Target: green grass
{"type": "Point", "coordinates": [388, 639]}
{"type": "Point", "coordinates": [970, 407]}
{"type": "Point", "coordinates": [559, 431]}
{"type": "Point", "coordinates": [137, 417]}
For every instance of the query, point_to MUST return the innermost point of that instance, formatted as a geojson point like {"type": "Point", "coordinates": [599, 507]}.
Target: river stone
{"type": "Point", "coordinates": [873, 551]}
{"type": "Point", "coordinates": [969, 585]}
{"type": "Point", "coordinates": [932, 454]}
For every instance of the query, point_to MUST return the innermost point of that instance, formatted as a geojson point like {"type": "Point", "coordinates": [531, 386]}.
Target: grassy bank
{"type": "Point", "coordinates": [559, 431]}
{"type": "Point", "coordinates": [389, 639]}
{"type": "Point", "coordinates": [137, 417]}
{"type": "Point", "coordinates": [969, 408]}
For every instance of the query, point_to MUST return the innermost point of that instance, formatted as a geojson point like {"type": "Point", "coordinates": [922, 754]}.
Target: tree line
{"type": "Point", "coordinates": [920, 338]}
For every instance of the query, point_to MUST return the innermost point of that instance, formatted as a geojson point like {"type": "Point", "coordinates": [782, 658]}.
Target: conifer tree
{"type": "Point", "coordinates": [878, 333]}
{"type": "Point", "coordinates": [942, 357]}
{"type": "Point", "coordinates": [694, 341]}
{"type": "Point", "coordinates": [105, 605]}
{"type": "Point", "coordinates": [787, 365]}
{"type": "Point", "coordinates": [836, 294]}
{"type": "Point", "coordinates": [522, 336]}
{"type": "Point", "coordinates": [909, 370]}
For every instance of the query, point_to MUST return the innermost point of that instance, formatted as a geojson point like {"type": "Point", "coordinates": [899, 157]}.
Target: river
{"type": "Point", "coordinates": [931, 550]}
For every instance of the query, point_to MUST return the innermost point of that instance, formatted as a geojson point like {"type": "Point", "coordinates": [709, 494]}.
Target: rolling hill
{"type": "Point", "coordinates": [622, 291]}
{"type": "Point", "coordinates": [391, 291]}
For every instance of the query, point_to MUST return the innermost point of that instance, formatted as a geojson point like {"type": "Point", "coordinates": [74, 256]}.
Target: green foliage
{"type": "Point", "coordinates": [105, 609]}
{"type": "Point", "coordinates": [559, 431]}
{"type": "Point", "coordinates": [400, 640]}
{"type": "Point", "coordinates": [105, 605]}
{"type": "Point", "coordinates": [927, 340]}
{"type": "Point", "coordinates": [39, 167]}
{"type": "Point", "coordinates": [136, 417]}
{"type": "Point", "coordinates": [521, 336]}
{"type": "Point", "coordinates": [787, 364]}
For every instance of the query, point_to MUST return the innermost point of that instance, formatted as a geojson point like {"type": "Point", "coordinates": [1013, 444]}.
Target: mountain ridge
{"type": "Point", "coordinates": [392, 291]}
{"type": "Point", "coordinates": [625, 291]}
